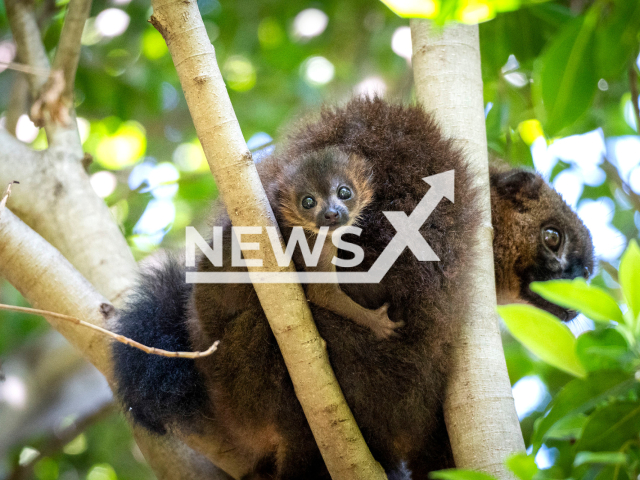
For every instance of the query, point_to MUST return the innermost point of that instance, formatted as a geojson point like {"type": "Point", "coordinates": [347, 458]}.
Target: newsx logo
{"type": "Point", "coordinates": [407, 236]}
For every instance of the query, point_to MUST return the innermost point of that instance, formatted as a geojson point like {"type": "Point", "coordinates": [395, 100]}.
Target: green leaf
{"type": "Point", "coordinates": [544, 335]}
{"type": "Point", "coordinates": [602, 350]}
{"type": "Point", "coordinates": [594, 302]}
{"type": "Point", "coordinates": [610, 427]}
{"type": "Point", "coordinates": [455, 474]}
{"type": "Point", "coordinates": [522, 465]}
{"type": "Point", "coordinates": [579, 396]}
{"type": "Point", "coordinates": [630, 277]}
{"type": "Point", "coordinates": [607, 458]}
{"type": "Point", "coordinates": [617, 38]}
{"type": "Point", "coordinates": [564, 76]}
{"type": "Point", "coordinates": [568, 428]}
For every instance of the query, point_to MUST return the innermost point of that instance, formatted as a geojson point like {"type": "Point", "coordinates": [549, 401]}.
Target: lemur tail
{"type": "Point", "coordinates": [157, 390]}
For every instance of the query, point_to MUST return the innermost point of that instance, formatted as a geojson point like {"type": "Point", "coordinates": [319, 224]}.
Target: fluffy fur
{"type": "Point", "coordinates": [155, 389]}
{"type": "Point", "coordinates": [394, 387]}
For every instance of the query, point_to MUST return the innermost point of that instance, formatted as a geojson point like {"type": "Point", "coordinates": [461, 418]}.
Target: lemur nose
{"type": "Point", "coordinates": [332, 215]}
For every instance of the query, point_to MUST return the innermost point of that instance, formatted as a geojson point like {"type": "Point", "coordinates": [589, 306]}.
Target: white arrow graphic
{"type": "Point", "coordinates": [407, 235]}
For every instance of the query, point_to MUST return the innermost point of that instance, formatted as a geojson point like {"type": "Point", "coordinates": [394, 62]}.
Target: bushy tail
{"type": "Point", "coordinates": [158, 390]}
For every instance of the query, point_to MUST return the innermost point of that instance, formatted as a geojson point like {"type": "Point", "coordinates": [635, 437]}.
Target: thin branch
{"type": "Point", "coordinates": [5, 197]}
{"type": "Point", "coordinates": [633, 85]}
{"type": "Point", "coordinates": [611, 270]}
{"type": "Point", "coordinates": [26, 34]}
{"type": "Point", "coordinates": [24, 68]}
{"type": "Point", "coordinates": [115, 336]}
{"type": "Point", "coordinates": [334, 428]}
{"type": "Point", "coordinates": [18, 101]}
{"type": "Point", "coordinates": [68, 52]}
{"type": "Point", "coordinates": [25, 256]}
{"type": "Point", "coordinates": [58, 441]}
{"type": "Point", "coordinates": [612, 173]}
{"type": "Point", "coordinates": [47, 11]}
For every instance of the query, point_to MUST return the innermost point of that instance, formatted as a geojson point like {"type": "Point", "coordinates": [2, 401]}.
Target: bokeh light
{"type": "Point", "coordinates": [13, 392]}
{"type": "Point", "coordinates": [104, 183]}
{"type": "Point", "coordinates": [112, 22]}
{"type": "Point", "coordinates": [84, 128]}
{"type": "Point", "coordinates": [153, 45]}
{"type": "Point", "coordinates": [401, 42]}
{"type": "Point", "coordinates": [26, 131]}
{"type": "Point", "coordinates": [239, 73]}
{"type": "Point", "coordinates": [7, 53]}
{"type": "Point", "coordinates": [122, 148]}
{"type": "Point", "coordinates": [310, 23]}
{"type": "Point", "coordinates": [370, 87]}
{"type": "Point", "coordinates": [102, 471]}
{"type": "Point", "coordinates": [608, 242]}
{"type": "Point", "coordinates": [318, 70]}
{"type": "Point", "coordinates": [529, 394]}
{"type": "Point", "coordinates": [270, 33]}
{"type": "Point", "coordinates": [158, 215]}
{"type": "Point", "coordinates": [260, 146]}
{"type": "Point", "coordinates": [189, 157]}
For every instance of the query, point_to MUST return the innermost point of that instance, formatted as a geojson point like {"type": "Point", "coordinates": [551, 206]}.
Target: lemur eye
{"type": "Point", "coordinates": [344, 193]}
{"type": "Point", "coordinates": [552, 239]}
{"type": "Point", "coordinates": [309, 202]}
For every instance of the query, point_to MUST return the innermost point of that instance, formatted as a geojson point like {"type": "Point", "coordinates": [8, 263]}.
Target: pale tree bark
{"type": "Point", "coordinates": [56, 199]}
{"type": "Point", "coordinates": [337, 435]}
{"type": "Point", "coordinates": [49, 282]}
{"type": "Point", "coordinates": [479, 409]}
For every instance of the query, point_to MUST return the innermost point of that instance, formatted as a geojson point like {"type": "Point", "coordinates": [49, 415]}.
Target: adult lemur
{"type": "Point", "coordinates": [392, 365]}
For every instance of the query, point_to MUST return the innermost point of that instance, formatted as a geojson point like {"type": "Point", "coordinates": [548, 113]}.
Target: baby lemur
{"type": "Point", "coordinates": [394, 384]}
{"type": "Point", "coordinates": [320, 192]}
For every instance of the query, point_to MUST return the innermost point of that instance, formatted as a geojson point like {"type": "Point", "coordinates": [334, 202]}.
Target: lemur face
{"type": "Point", "coordinates": [326, 188]}
{"type": "Point", "coordinates": [541, 239]}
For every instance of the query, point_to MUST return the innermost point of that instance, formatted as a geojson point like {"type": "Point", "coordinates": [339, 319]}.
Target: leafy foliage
{"type": "Point", "coordinates": [550, 70]}
{"type": "Point", "coordinates": [594, 421]}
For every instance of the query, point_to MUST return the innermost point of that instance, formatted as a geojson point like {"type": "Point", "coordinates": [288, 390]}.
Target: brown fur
{"type": "Point", "coordinates": [395, 387]}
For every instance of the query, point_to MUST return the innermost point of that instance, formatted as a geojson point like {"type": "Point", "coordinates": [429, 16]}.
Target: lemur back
{"type": "Point", "coordinates": [395, 386]}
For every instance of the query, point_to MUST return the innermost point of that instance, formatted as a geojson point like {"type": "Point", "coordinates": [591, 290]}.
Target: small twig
{"type": "Point", "coordinates": [612, 172]}
{"type": "Point", "coordinates": [68, 51]}
{"type": "Point", "coordinates": [633, 85]}
{"type": "Point", "coordinates": [119, 338]}
{"type": "Point", "coordinates": [6, 196]}
{"type": "Point", "coordinates": [21, 67]}
{"type": "Point", "coordinates": [610, 269]}
{"type": "Point", "coordinates": [26, 35]}
{"type": "Point", "coordinates": [59, 440]}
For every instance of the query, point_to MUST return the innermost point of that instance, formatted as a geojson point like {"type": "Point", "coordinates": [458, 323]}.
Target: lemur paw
{"type": "Point", "coordinates": [382, 327]}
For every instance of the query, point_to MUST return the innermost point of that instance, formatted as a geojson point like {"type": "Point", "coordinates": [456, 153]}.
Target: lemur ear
{"type": "Point", "coordinates": [517, 184]}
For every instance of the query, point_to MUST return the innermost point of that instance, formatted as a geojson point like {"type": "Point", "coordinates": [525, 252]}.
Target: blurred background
{"type": "Point", "coordinates": [561, 95]}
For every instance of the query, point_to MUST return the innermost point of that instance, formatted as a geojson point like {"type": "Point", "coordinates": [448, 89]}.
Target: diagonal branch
{"type": "Point", "coordinates": [48, 281]}
{"type": "Point", "coordinates": [18, 100]}
{"type": "Point", "coordinates": [68, 52]}
{"type": "Point", "coordinates": [26, 34]}
{"type": "Point", "coordinates": [341, 444]}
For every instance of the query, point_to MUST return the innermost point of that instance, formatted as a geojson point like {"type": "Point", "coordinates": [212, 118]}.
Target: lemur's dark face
{"type": "Point", "coordinates": [326, 188]}
{"type": "Point", "coordinates": [541, 239]}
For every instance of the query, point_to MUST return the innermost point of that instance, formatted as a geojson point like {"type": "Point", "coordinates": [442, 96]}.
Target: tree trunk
{"type": "Point", "coordinates": [479, 410]}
